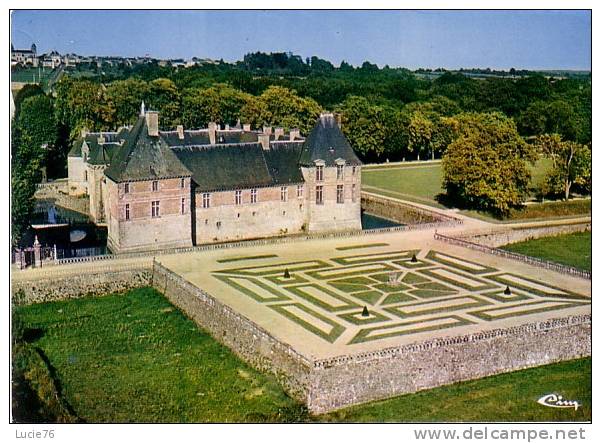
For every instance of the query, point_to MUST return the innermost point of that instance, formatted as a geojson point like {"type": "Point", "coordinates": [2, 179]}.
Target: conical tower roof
{"type": "Point", "coordinates": [144, 157]}
{"type": "Point", "coordinates": [327, 142]}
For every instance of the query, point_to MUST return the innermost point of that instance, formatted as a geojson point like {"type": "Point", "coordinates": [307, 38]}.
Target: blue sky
{"type": "Point", "coordinates": [412, 39]}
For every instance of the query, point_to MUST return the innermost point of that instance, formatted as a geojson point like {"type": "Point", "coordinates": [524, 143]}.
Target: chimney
{"type": "Point", "coordinates": [101, 139]}
{"type": "Point", "coordinates": [278, 133]}
{"type": "Point", "coordinates": [264, 140]}
{"type": "Point", "coordinates": [84, 132]}
{"type": "Point", "coordinates": [294, 134]}
{"type": "Point", "coordinates": [180, 132]}
{"type": "Point", "coordinates": [152, 121]}
{"type": "Point", "coordinates": [246, 127]}
{"type": "Point", "coordinates": [267, 130]}
{"type": "Point", "coordinates": [227, 127]}
{"type": "Point", "coordinates": [212, 133]}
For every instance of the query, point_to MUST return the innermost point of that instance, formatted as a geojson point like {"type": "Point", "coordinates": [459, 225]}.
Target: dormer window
{"type": "Point", "coordinates": [155, 185]}
{"type": "Point", "coordinates": [319, 173]}
{"type": "Point", "coordinates": [126, 188]}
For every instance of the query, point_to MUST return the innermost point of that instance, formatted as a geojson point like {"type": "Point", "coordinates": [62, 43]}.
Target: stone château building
{"type": "Point", "coordinates": [162, 189]}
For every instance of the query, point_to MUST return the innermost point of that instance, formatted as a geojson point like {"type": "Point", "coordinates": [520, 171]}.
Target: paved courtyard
{"type": "Point", "coordinates": [343, 296]}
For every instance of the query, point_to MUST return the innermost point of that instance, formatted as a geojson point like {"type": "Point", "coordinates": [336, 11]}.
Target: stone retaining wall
{"type": "Point", "coordinates": [329, 384]}
{"type": "Point", "coordinates": [53, 286]}
{"type": "Point", "coordinates": [341, 382]}
{"type": "Point", "coordinates": [245, 338]}
{"type": "Point", "coordinates": [535, 261]}
{"type": "Point", "coordinates": [514, 235]}
{"type": "Point", "coordinates": [401, 211]}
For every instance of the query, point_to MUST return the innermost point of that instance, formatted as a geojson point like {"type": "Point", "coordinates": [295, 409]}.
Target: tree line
{"type": "Point", "coordinates": [388, 114]}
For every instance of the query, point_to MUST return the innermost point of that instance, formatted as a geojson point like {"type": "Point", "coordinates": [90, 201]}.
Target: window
{"type": "Point", "coordinates": [206, 200]}
{"type": "Point", "coordinates": [127, 211]}
{"type": "Point", "coordinates": [126, 188]}
{"type": "Point", "coordinates": [238, 197]}
{"type": "Point", "coordinates": [340, 194]}
{"type": "Point", "coordinates": [183, 205]}
{"type": "Point", "coordinates": [154, 209]}
{"type": "Point", "coordinates": [339, 172]}
{"type": "Point", "coordinates": [354, 193]}
{"type": "Point", "coordinates": [299, 191]}
{"type": "Point", "coordinates": [319, 195]}
{"type": "Point", "coordinates": [354, 170]}
{"type": "Point", "coordinates": [284, 193]}
{"type": "Point", "coordinates": [319, 173]}
{"type": "Point", "coordinates": [155, 186]}
{"type": "Point", "coordinates": [218, 225]}
{"type": "Point", "coordinates": [182, 183]}
{"type": "Point", "coordinates": [253, 195]}
{"type": "Point", "coordinates": [85, 175]}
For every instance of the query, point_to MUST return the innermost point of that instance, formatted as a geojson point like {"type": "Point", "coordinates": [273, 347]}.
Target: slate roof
{"type": "Point", "coordinates": [143, 157]}
{"type": "Point", "coordinates": [224, 167]}
{"type": "Point", "coordinates": [327, 142]}
{"type": "Point", "coordinates": [101, 154]}
{"type": "Point", "coordinates": [282, 161]}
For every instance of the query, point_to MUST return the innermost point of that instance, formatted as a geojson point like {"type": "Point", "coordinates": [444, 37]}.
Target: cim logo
{"type": "Point", "coordinates": [557, 401]}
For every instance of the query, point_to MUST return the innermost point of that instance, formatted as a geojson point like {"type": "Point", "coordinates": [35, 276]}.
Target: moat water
{"type": "Point", "coordinates": [369, 221]}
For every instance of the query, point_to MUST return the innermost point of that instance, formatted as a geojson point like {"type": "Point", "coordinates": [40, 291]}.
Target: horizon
{"type": "Point", "coordinates": [499, 40]}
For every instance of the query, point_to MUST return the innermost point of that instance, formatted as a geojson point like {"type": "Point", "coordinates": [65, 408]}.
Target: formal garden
{"type": "Point", "coordinates": [133, 357]}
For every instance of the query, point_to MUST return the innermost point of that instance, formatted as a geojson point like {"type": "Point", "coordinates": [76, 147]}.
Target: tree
{"type": "Point", "coordinates": [420, 134]}
{"type": "Point", "coordinates": [126, 97]}
{"type": "Point", "coordinates": [163, 96]}
{"type": "Point", "coordinates": [364, 125]}
{"type": "Point", "coordinates": [220, 103]}
{"type": "Point", "coordinates": [571, 164]}
{"type": "Point", "coordinates": [485, 167]}
{"type": "Point", "coordinates": [279, 106]}
{"type": "Point", "coordinates": [82, 104]}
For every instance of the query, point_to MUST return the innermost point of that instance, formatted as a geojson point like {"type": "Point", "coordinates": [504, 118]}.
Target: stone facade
{"type": "Point", "coordinates": [330, 212]}
{"type": "Point", "coordinates": [135, 220]}
{"type": "Point", "coordinates": [239, 184]}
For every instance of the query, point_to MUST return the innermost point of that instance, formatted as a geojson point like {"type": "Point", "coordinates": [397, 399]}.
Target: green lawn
{"type": "Point", "coordinates": [570, 249]}
{"type": "Point", "coordinates": [135, 358]}
{"type": "Point", "coordinates": [421, 183]}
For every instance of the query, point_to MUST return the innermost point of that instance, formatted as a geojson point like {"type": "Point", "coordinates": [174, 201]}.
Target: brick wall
{"type": "Point", "coordinates": [142, 231]}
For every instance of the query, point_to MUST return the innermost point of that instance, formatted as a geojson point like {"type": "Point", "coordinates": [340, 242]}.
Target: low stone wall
{"type": "Point", "coordinates": [53, 286]}
{"type": "Point", "coordinates": [245, 338]}
{"type": "Point", "coordinates": [535, 261]}
{"type": "Point", "coordinates": [329, 384]}
{"type": "Point", "coordinates": [514, 235]}
{"type": "Point", "coordinates": [345, 381]}
{"type": "Point", "coordinates": [402, 212]}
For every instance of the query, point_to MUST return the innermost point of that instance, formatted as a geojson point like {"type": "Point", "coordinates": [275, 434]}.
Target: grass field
{"type": "Point", "coordinates": [571, 249]}
{"type": "Point", "coordinates": [135, 358]}
{"type": "Point", "coordinates": [422, 183]}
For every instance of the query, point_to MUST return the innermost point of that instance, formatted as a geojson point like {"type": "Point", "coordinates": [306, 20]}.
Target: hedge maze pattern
{"type": "Point", "coordinates": [405, 292]}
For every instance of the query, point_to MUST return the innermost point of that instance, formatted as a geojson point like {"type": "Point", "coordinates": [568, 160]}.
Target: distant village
{"type": "Point", "coordinates": [30, 58]}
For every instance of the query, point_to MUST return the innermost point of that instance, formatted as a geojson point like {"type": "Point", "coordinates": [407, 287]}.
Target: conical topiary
{"type": "Point", "coordinates": [507, 291]}
{"type": "Point", "coordinates": [414, 259]}
{"type": "Point", "coordinates": [286, 273]}
{"type": "Point", "coordinates": [365, 312]}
